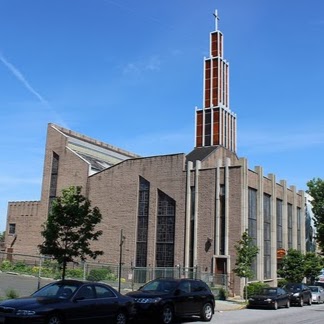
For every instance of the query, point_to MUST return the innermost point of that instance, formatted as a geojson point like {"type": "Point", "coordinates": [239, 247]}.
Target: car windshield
{"type": "Point", "coordinates": [56, 290]}
{"type": "Point", "coordinates": [269, 291]}
{"type": "Point", "coordinates": [292, 287]}
{"type": "Point", "coordinates": [160, 286]}
{"type": "Point", "coordinates": [314, 289]}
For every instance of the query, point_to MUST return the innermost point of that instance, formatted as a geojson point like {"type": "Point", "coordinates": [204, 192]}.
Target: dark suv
{"type": "Point", "coordinates": [166, 299]}
{"type": "Point", "coordinates": [300, 293]}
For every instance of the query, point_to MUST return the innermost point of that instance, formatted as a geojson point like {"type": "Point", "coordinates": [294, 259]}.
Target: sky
{"type": "Point", "coordinates": [130, 73]}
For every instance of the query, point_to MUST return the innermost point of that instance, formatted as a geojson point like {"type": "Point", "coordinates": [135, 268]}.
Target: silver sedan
{"type": "Point", "coordinates": [317, 294]}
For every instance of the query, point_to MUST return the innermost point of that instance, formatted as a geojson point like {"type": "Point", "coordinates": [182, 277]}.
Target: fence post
{"type": "Point", "coordinates": [84, 270]}
{"type": "Point", "coordinates": [39, 272]}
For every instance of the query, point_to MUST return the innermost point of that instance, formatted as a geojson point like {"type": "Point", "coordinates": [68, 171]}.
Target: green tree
{"type": "Point", "coordinates": [292, 266]}
{"type": "Point", "coordinates": [70, 228]}
{"type": "Point", "coordinates": [2, 236]}
{"type": "Point", "coordinates": [246, 251]}
{"type": "Point", "coordinates": [316, 191]}
{"type": "Point", "coordinates": [312, 266]}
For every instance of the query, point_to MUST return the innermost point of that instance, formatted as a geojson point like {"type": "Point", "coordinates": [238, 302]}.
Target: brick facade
{"type": "Point", "coordinates": [115, 191]}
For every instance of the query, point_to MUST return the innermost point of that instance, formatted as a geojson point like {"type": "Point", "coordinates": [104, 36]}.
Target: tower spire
{"type": "Point", "coordinates": [215, 123]}
{"type": "Point", "coordinates": [216, 19]}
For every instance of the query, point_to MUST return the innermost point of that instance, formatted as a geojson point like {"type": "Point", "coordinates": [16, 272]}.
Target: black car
{"type": "Point", "coordinates": [300, 294]}
{"type": "Point", "coordinates": [164, 299]}
{"type": "Point", "coordinates": [69, 301]}
{"type": "Point", "coordinates": [273, 297]}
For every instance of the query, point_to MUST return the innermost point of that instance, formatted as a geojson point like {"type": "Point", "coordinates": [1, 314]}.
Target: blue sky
{"type": "Point", "coordinates": [130, 73]}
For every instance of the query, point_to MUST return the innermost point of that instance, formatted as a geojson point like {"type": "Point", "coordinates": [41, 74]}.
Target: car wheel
{"type": "Point", "coordinates": [121, 318]}
{"type": "Point", "coordinates": [310, 301]}
{"type": "Point", "coordinates": [275, 305]}
{"type": "Point", "coordinates": [54, 319]}
{"type": "Point", "coordinates": [301, 302]}
{"type": "Point", "coordinates": [167, 314]}
{"type": "Point", "coordinates": [207, 312]}
{"type": "Point", "coordinates": [288, 304]}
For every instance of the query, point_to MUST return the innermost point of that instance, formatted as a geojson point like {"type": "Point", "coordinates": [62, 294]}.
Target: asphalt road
{"type": "Point", "coordinates": [294, 315]}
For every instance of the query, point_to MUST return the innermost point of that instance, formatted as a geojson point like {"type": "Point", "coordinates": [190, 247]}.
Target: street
{"type": "Point", "coordinates": [308, 314]}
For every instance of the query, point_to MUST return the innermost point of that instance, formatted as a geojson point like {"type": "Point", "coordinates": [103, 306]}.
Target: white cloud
{"type": "Point", "coordinates": [20, 77]}
{"type": "Point", "coordinates": [152, 64]}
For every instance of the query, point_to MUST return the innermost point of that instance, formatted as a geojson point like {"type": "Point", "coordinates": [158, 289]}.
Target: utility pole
{"type": "Point", "coordinates": [121, 242]}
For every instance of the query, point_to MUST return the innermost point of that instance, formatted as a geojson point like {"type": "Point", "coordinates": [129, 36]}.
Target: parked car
{"type": "Point", "coordinates": [317, 294]}
{"type": "Point", "coordinates": [319, 283]}
{"type": "Point", "coordinates": [273, 298]}
{"type": "Point", "coordinates": [165, 299]}
{"type": "Point", "coordinates": [300, 294]}
{"type": "Point", "coordinates": [69, 301]}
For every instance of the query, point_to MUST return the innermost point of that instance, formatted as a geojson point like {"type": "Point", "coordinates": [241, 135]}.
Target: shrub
{"type": "Point", "coordinates": [21, 267]}
{"type": "Point", "coordinates": [222, 294]}
{"type": "Point", "coordinates": [100, 274]}
{"type": "Point", "coordinates": [254, 288]}
{"type": "Point", "coordinates": [11, 294]}
{"type": "Point", "coordinates": [6, 265]}
{"type": "Point", "coordinates": [74, 273]}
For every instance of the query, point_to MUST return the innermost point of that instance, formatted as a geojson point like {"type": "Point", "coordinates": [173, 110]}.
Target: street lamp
{"type": "Point", "coordinates": [121, 242]}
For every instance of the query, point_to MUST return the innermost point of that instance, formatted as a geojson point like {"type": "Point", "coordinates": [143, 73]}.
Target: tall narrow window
{"type": "Point", "coordinates": [298, 229]}
{"type": "Point", "coordinates": [290, 226]}
{"type": "Point", "coordinates": [222, 219]}
{"type": "Point", "coordinates": [142, 222]}
{"type": "Point", "coordinates": [53, 180]}
{"type": "Point", "coordinates": [165, 231]}
{"type": "Point", "coordinates": [252, 223]}
{"type": "Point", "coordinates": [192, 224]}
{"type": "Point", "coordinates": [12, 229]}
{"type": "Point", "coordinates": [279, 224]}
{"type": "Point", "coordinates": [207, 127]}
{"type": "Point", "coordinates": [267, 235]}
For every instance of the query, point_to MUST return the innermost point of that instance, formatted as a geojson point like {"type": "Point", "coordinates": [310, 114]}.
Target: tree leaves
{"type": "Point", "coordinates": [295, 266]}
{"type": "Point", "coordinates": [316, 191]}
{"type": "Point", "coordinates": [70, 228]}
{"type": "Point", "coordinates": [246, 252]}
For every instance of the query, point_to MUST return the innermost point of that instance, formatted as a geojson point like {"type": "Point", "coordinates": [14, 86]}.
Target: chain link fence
{"type": "Point", "coordinates": [120, 276]}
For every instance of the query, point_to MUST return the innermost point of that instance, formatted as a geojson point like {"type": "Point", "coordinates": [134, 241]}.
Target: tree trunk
{"type": "Point", "coordinates": [63, 269]}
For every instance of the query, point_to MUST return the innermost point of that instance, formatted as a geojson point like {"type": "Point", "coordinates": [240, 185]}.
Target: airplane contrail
{"type": "Point", "coordinates": [20, 77]}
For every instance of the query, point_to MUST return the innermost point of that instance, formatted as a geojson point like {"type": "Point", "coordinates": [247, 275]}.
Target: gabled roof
{"type": "Point", "coordinates": [200, 153]}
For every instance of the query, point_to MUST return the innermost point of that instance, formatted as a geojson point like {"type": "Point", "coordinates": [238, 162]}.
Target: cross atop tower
{"type": "Point", "coordinates": [216, 19]}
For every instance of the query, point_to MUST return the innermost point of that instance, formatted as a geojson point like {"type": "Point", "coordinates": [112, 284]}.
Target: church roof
{"type": "Point", "coordinates": [200, 153]}
{"type": "Point", "coordinates": [98, 154]}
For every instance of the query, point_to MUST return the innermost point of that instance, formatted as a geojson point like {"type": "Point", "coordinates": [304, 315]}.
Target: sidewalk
{"type": "Point", "coordinates": [229, 304]}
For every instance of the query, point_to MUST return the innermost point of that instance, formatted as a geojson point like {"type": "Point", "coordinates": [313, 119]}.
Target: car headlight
{"type": "Point", "coordinates": [25, 312]}
{"type": "Point", "coordinates": [251, 299]}
{"type": "Point", "coordinates": [148, 300]}
{"type": "Point", "coordinates": [269, 300]}
{"type": "Point", "coordinates": [296, 294]}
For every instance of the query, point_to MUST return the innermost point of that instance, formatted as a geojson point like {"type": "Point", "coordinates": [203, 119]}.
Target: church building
{"type": "Point", "coordinates": [187, 210]}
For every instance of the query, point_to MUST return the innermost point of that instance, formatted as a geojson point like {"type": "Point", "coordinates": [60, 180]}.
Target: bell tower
{"type": "Point", "coordinates": [215, 123]}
